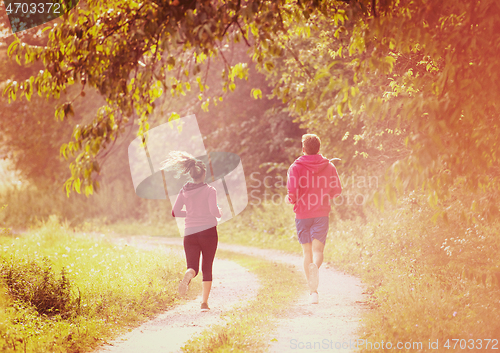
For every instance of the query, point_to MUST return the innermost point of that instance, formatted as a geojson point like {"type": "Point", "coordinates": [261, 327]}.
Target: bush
{"type": "Point", "coordinates": [36, 284]}
{"type": "Point", "coordinates": [429, 277]}
{"type": "Point", "coordinates": [117, 285]}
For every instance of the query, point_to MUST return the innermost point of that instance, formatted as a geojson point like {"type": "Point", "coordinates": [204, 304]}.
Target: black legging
{"type": "Point", "coordinates": [204, 242]}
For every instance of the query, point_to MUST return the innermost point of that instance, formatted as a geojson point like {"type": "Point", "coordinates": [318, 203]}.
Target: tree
{"type": "Point", "coordinates": [401, 79]}
{"type": "Point", "coordinates": [133, 52]}
{"type": "Point", "coordinates": [406, 68]}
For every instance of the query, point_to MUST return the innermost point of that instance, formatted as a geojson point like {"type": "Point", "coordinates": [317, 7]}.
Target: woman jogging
{"type": "Point", "coordinates": [201, 215]}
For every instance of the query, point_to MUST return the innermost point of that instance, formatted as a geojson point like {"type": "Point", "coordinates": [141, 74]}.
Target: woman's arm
{"type": "Point", "coordinates": [212, 204]}
{"type": "Point", "coordinates": [177, 209]}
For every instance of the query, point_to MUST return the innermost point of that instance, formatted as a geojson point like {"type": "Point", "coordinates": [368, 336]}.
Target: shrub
{"type": "Point", "coordinates": [36, 284]}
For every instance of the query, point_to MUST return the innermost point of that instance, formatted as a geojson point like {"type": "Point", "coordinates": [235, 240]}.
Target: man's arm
{"type": "Point", "coordinates": [335, 186]}
{"type": "Point", "coordinates": [291, 185]}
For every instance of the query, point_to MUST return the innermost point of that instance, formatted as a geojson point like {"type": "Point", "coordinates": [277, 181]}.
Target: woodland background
{"type": "Point", "coordinates": [406, 92]}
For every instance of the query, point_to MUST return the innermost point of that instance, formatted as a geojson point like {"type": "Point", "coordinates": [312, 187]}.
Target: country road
{"type": "Point", "coordinates": [329, 326]}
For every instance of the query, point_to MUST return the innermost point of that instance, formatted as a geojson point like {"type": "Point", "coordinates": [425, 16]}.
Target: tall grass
{"type": "Point", "coordinates": [426, 279]}
{"type": "Point", "coordinates": [115, 203]}
{"type": "Point", "coordinates": [63, 292]}
{"type": "Point", "coordinates": [269, 226]}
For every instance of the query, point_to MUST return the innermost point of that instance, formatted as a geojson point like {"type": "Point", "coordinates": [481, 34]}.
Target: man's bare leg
{"type": "Point", "coordinates": [317, 252]}
{"type": "Point", "coordinates": [308, 258]}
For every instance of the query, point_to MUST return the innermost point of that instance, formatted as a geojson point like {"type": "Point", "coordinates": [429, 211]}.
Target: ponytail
{"type": "Point", "coordinates": [184, 164]}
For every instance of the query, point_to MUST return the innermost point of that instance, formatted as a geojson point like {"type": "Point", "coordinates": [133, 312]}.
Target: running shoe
{"type": "Point", "coordinates": [183, 286]}
{"type": "Point", "coordinates": [313, 298]}
{"type": "Point", "coordinates": [204, 307]}
{"type": "Point", "coordinates": [313, 277]}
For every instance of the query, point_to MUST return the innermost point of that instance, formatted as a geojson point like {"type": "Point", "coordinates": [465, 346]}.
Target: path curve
{"type": "Point", "coordinates": [323, 327]}
{"type": "Point", "coordinates": [331, 325]}
{"type": "Point", "coordinates": [168, 332]}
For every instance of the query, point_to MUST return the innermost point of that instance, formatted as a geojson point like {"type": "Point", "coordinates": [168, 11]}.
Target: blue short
{"type": "Point", "coordinates": [312, 228]}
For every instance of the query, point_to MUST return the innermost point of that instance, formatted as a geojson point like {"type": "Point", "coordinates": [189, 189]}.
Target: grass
{"type": "Point", "coordinates": [422, 287]}
{"type": "Point", "coordinates": [115, 203]}
{"type": "Point", "coordinates": [132, 227]}
{"type": "Point", "coordinates": [106, 288]}
{"type": "Point", "coordinates": [248, 328]}
{"type": "Point", "coordinates": [269, 227]}
{"type": "Point", "coordinates": [427, 280]}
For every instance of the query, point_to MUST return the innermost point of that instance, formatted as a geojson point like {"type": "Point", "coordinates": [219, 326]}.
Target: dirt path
{"type": "Point", "coordinates": [169, 331]}
{"type": "Point", "coordinates": [326, 327]}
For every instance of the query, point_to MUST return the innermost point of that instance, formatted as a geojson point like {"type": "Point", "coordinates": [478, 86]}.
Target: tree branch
{"type": "Point", "coordinates": [374, 9]}
{"type": "Point", "coordinates": [206, 72]}
{"type": "Point", "coordinates": [299, 62]}
{"type": "Point", "coordinates": [243, 34]}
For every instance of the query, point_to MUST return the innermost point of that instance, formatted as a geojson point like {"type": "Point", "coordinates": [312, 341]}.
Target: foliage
{"type": "Point", "coordinates": [395, 84]}
{"type": "Point", "coordinates": [35, 284]}
{"type": "Point", "coordinates": [398, 78]}
{"type": "Point", "coordinates": [405, 70]}
{"type": "Point", "coordinates": [31, 137]}
{"type": "Point", "coordinates": [422, 287]}
{"type": "Point", "coordinates": [240, 124]}
{"type": "Point", "coordinates": [322, 86]}
{"type": "Point", "coordinates": [132, 53]}
{"type": "Point", "coordinates": [258, 130]}
{"type": "Point", "coordinates": [425, 280]}
{"type": "Point", "coordinates": [115, 285]}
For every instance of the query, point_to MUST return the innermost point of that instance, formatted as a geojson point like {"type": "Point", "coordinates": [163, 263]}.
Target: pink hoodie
{"type": "Point", "coordinates": [201, 205]}
{"type": "Point", "coordinates": [312, 182]}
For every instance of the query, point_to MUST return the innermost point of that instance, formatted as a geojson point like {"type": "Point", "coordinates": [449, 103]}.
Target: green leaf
{"type": "Point", "coordinates": [340, 107]}
{"type": "Point", "coordinates": [13, 46]}
{"type": "Point", "coordinates": [77, 185]}
{"type": "Point", "coordinates": [63, 150]}
{"type": "Point", "coordinates": [256, 93]}
{"type": "Point", "coordinates": [174, 116]}
{"type": "Point", "coordinates": [390, 60]}
{"type": "Point", "coordinates": [89, 190]}
{"type": "Point", "coordinates": [269, 66]}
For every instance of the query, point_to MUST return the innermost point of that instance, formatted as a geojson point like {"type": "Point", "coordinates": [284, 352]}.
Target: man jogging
{"type": "Point", "coordinates": [312, 182]}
